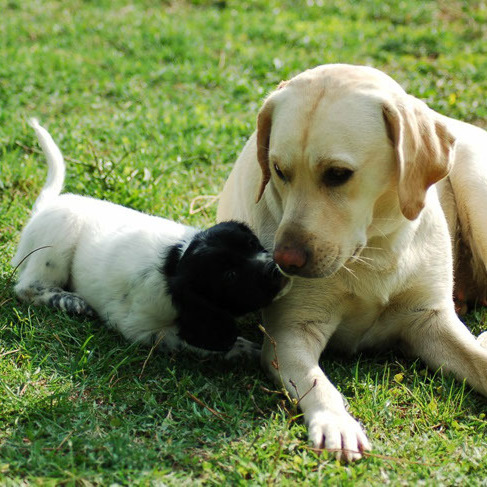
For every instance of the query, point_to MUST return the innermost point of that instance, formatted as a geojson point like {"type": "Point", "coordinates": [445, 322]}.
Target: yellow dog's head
{"type": "Point", "coordinates": [345, 155]}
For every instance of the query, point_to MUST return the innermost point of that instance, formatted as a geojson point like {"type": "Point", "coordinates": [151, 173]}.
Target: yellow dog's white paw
{"type": "Point", "coordinates": [482, 339]}
{"type": "Point", "coordinates": [338, 433]}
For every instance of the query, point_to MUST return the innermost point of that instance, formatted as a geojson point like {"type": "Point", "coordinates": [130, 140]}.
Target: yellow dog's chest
{"type": "Point", "coordinates": [365, 325]}
{"type": "Point", "coordinates": [368, 308]}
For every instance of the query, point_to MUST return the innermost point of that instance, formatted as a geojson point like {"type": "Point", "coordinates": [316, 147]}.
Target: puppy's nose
{"type": "Point", "coordinates": [290, 259]}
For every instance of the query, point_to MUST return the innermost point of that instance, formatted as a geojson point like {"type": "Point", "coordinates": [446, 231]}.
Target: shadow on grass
{"type": "Point", "coordinates": [77, 396]}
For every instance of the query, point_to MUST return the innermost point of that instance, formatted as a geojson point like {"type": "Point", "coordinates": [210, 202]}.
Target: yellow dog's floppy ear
{"type": "Point", "coordinates": [264, 122]}
{"type": "Point", "coordinates": [423, 147]}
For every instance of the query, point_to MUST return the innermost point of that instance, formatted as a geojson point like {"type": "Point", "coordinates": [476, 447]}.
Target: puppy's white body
{"type": "Point", "coordinates": [108, 254]}
{"type": "Point", "coordinates": [377, 244]}
{"type": "Point", "coordinates": [82, 254]}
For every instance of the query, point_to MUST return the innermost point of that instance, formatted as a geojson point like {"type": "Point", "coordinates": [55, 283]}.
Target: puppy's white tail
{"type": "Point", "coordinates": [55, 161]}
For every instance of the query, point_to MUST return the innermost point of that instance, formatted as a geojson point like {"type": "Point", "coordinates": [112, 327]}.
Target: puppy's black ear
{"type": "Point", "coordinates": [200, 323]}
{"type": "Point", "coordinates": [205, 326]}
{"type": "Point", "coordinates": [208, 330]}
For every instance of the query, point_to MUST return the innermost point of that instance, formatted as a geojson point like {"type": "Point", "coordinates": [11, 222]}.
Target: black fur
{"type": "Point", "coordinates": [216, 279]}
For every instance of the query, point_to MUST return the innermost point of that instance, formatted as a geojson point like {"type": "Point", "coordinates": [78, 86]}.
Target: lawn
{"type": "Point", "coordinates": [151, 102]}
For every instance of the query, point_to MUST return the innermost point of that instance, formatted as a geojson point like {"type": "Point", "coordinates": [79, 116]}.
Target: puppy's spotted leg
{"type": "Point", "coordinates": [56, 297]}
{"type": "Point", "coordinates": [244, 349]}
{"type": "Point", "coordinates": [169, 342]}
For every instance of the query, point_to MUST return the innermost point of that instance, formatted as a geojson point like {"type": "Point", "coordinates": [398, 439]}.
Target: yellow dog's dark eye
{"type": "Point", "coordinates": [279, 173]}
{"type": "Point", "coordinates": [336, 176]}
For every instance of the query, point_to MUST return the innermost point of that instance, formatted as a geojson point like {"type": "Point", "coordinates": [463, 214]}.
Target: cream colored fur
{"type": "Point", "coordinates": [380, 261]}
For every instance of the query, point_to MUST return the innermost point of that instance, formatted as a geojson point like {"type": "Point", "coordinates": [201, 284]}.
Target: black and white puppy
{"type": "Point", "coordinates": [154, 280]}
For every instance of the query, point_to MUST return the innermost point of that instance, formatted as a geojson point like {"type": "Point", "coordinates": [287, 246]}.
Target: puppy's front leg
{"type": "Point", "coordinates": [56, 297]}
{"type": "Point", "coordinates": [442, 340]}
{"type": "Point", "coordinates": [291, 356]}
{"type": "Point", "coordinates": [244, 349]}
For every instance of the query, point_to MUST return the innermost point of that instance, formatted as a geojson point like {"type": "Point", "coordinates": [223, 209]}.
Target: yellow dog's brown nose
{"type": "Point", "coordinates": [290, 259]}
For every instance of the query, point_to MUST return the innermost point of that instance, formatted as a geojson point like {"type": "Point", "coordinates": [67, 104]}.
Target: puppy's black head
{"type": "Point", "coordinates": [226, 271]}
{"type": "Point", "coordinates": [228, 266]}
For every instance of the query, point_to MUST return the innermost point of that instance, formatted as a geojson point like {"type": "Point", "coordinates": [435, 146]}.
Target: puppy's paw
{"type": "Point", "coordinates": [243, 349]}
{"type": "Point", "coordinates": [71, 303]}
{"type": "Point", "coordinates": [482, 339]}
{"type": "Point", "coordinates": [338, 433]}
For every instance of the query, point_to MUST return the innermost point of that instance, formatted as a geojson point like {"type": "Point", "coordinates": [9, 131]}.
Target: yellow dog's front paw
{"type": "Point", "coordinates": [338, 433]}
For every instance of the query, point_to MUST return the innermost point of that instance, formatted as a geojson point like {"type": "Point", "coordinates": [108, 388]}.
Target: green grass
{"type": "Point", "coordinates": [152, 101]}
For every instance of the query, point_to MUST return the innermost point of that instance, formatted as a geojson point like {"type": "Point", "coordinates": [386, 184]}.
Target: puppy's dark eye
{"type": "Point", "coordinates": [336, 176]}
{"type": "Point", "coordinates": [254, 244]}
{"type": "Point", "coordinates": [230, 275]}
{"type": "Point", "coordinates": [279, 173]}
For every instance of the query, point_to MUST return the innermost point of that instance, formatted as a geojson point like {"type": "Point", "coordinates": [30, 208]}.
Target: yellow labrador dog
{"type": "Point", "coordinates": [346, 180]}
